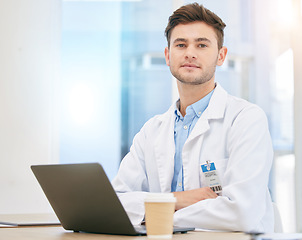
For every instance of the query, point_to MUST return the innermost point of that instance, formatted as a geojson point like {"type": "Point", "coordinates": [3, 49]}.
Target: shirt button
{"type": "Point", "coordinates": [199, 113]}
{"type": "Point", "coordinates": [185, 127]}
{"type": "Point", "coordinates": [179, 184]}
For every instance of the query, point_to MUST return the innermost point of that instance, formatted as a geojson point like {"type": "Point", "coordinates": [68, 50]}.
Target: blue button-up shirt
{"type": "Point", "coordinates": [182, 128]}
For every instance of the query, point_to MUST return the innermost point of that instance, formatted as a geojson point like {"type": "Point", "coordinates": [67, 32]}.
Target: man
{"type": "Point", "coordinates": [206, 129]}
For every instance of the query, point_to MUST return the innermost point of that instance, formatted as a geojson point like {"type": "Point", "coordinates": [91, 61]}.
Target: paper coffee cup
{"type": "Point", "coordinates": [159, 211]}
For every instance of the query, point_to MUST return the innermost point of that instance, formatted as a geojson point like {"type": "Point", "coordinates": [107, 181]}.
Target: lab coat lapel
{"type": "Point", "coordinates": [215, 110]}
{"type": "Point", "coordinates": [201, 127]}
{"type": "Point", "coordinates": [165, 150]}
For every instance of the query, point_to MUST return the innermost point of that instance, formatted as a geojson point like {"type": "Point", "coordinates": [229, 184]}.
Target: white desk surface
{"type": "Point", "coordinates": [58, 233]}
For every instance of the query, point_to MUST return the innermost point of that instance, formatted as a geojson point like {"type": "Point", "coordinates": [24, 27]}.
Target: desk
{"type": "Point", "coordinates": [55, 232]}
{"type": "Point", "coordinates": [58, 233]}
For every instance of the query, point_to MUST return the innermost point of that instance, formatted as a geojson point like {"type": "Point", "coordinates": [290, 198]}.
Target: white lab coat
{"type": "Point", "coordinates": [233, 134]}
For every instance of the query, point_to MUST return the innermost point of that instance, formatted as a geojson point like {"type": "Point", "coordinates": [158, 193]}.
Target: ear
{"type": "Point", "coordinates": [167, 57]}
{"type": "Point", "coordinates": [221, 55]}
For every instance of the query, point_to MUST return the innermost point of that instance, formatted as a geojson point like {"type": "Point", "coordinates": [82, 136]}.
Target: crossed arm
{"type": "Point", "coordinates": [187, 198]}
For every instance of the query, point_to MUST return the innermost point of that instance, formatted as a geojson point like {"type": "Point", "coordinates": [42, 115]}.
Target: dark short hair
{"type": "Point", "coordinates": [195, 12]}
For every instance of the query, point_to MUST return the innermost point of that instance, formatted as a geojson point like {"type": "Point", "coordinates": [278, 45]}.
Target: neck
{"type": "Point", "coordinates": [189, 94]}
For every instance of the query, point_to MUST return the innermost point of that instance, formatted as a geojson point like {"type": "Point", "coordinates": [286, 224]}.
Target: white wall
{"type": "Point", "coordinates": [29, 64]}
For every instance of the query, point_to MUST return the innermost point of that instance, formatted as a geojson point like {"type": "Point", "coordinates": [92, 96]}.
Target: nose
{"type": "Point", "coordinates": [190, 53]}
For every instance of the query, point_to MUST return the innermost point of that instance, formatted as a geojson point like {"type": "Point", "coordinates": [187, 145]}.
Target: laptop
{"type": "Point", "coordinates": [84, 200]}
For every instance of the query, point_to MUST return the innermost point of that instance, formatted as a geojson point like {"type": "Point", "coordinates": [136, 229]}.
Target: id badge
{"type": "Point", "coordinates": [211, 177]}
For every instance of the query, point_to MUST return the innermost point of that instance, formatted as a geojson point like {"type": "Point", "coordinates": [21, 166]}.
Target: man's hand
{"type": "Point", "coordinates": [187, 198]}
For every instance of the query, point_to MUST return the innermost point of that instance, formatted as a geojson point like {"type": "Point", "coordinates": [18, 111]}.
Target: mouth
{"type": "Point", "coordinates": [190, 66]}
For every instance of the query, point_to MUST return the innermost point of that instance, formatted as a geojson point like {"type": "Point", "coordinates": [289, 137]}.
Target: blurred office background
{"type": "Point", "coordinates": [79, 78]}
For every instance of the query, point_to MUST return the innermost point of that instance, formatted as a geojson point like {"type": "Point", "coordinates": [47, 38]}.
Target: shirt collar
{"type": "Point", "coordinates": [202, 104]}
{"type": "Point", "coordinates": [198, 107]}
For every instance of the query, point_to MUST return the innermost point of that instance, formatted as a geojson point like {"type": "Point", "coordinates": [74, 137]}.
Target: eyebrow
{"type": "Point", "coordinates": [203, 39]}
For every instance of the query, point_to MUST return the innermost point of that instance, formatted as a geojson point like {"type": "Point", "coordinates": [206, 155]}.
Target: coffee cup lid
{"type": "Point", "coordinates": [160, 197]}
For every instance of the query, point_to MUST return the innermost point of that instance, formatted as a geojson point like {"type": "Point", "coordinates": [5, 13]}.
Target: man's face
{"type": "Point", "coordinates": [193, 54]}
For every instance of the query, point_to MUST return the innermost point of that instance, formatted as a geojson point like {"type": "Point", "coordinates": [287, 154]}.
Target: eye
{"type": "Point", "coordinates": [202, 45]}
{"type": "Point", "coordinates": [181, 45]}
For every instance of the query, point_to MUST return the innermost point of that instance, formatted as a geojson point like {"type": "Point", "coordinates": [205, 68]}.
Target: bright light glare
{"type": "Point", "coordinates": [81, 104]}
{"type": "Point", "coordinates": [285, 75]}
{"type": "Point", "coordinates": [285, 13]}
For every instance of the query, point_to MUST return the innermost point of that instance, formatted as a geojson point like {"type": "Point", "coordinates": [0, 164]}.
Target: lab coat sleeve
{"type": "Point", "coordinates": [131, 182]}
{"type": "Point", "coordinates": [244, 200]}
